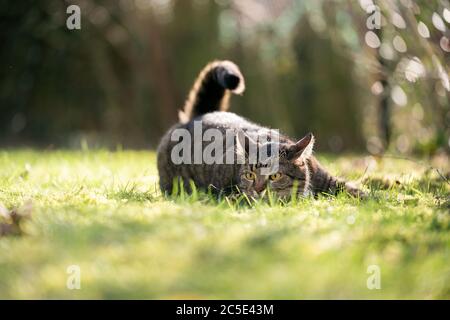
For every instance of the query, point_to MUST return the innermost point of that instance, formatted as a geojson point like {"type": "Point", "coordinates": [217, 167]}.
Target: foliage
{"type": "Point", "coordinates": [310, 66]}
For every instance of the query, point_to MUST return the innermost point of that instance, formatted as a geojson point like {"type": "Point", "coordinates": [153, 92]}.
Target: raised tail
{"type": "Point", "coordinates": [212, 88]}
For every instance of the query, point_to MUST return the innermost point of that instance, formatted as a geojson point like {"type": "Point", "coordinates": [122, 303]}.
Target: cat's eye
{"type": "Point", "coordinates": [275, 177]}
{"type": "Point", "coordinates": [249, 176]}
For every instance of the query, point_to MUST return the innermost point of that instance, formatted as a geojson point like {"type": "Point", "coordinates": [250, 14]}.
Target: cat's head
{"type": "Point", "coordinates": [289, 175]}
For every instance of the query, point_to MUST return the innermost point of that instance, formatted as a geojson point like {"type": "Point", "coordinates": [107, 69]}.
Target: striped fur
{"type": "Point", "coordinates": [211, 90]}
{"type": "Point", "coordinates": [208, 102]}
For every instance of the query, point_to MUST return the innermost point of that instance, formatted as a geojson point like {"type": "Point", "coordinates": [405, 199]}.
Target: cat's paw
{"type": "Point", "coordinates": [355, 191]}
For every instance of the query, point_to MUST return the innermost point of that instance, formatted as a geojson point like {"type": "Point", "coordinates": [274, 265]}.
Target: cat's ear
{"type": "Point", "coordinates": [302, 148]}
{"type": "Point", "coordinates": [244, 145]}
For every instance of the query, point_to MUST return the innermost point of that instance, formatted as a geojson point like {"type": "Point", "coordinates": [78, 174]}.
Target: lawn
{"type": "Point", "coordinates": [102, 211]}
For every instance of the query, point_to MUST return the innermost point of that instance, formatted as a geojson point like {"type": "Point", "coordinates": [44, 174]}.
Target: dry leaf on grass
{"type": "Point", "coordinates": [11, 220]}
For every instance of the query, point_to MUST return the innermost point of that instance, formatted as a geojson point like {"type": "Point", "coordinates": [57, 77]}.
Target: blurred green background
{"type": "Point", "coordinates": [312, 65]}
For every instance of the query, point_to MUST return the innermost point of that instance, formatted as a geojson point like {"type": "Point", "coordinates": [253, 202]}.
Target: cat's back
{"type": "Point", "coordinates": [220, 120]}
{"type": "Point", "coordinates": [226, 120]}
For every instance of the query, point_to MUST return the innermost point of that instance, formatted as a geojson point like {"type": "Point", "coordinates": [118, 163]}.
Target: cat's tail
{"type": "Point", "coordinates": [212, 88]}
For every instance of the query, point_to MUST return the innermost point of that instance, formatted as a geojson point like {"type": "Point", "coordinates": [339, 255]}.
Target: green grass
{"type": "Point", "coordinates": [102, 211]}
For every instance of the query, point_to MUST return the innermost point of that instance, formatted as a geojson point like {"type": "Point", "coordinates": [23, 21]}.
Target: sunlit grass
{"type": "Point", "coordinates": [103, 211]}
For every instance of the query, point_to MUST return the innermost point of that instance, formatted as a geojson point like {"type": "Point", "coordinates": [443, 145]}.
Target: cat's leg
{"type": "Point", "coordinates": [324, 182]}
{"type": "Point", "coordinates": [351, 189]}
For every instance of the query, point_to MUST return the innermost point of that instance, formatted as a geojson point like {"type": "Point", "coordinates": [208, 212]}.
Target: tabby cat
{"type": "Point", "coordinates": [297, 170]}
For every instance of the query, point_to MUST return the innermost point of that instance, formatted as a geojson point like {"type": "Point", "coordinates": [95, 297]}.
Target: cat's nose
{"type": "Point", "coordinates": [260, 186]}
